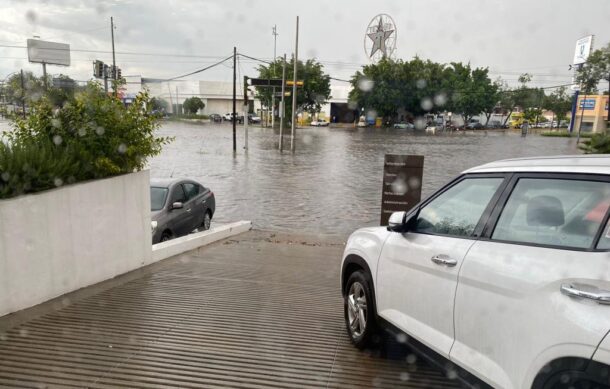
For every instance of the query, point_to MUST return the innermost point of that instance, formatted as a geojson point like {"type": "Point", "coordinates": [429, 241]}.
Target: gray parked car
{"type": "Point", "coordinates": [178, 207]}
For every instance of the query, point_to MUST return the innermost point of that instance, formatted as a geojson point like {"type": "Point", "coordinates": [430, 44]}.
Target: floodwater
{"type": "Point", "coordinates": [332, 184]}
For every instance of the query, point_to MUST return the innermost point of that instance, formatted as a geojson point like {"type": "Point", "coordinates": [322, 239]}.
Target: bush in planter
{"type": "Point", "coordinates": [598, 144]}
{"type": "Point", "coordinates": [92, 131]}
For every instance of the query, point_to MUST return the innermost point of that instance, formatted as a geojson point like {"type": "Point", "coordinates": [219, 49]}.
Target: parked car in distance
{"type": "Point", "coordinates": [215, 118]}
{"type": "Point", "coordinates": [253, 118]}
{"type": "Point", "coordinates": [474, 125]}
{"type": "Point", "coordinates": [229, 117]}
{"type": "Point", "coordinates": [504, 272]}
{"type": "Point", "coordinates": [319, 123]}
{"type": "Point", "coordinates": [404, 126]}
{"type": "Point", "coordinates": [179, 206]}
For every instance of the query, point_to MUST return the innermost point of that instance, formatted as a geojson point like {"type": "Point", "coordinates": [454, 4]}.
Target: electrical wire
{"type": "Point", "coordinates": [199, 70]}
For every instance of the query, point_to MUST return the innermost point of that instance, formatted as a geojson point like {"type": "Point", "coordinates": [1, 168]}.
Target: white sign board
{"type": "Point", "coordinates": [48, 52]}
{"type": "Point", "coordinates": [583, 49]}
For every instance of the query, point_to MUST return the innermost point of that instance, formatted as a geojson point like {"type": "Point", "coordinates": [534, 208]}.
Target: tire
{"type": "Point", "coordinates": [207, 222]}
{"type": "Point", "coordinates": [359, 310]}
{"type": "Point", "coordinates": [165, 236]}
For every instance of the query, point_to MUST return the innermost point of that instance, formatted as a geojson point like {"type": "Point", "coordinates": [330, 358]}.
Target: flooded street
{"type": "Point", "coordinates": [332, 184]}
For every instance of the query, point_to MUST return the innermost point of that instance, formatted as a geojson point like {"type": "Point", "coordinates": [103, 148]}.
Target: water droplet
{"type": "Point", "coordinates": [55, 123]}
{"type": "Point", "coordinates": [452, 374]}
{"type": "Point", "coordinates": [100, 130]}
{"type": "Point", "coordinates": [426, 104]}
{"type": "Point", "coordinates": [57, 140]}
{"type": "Point", "coordinates": [5, 176]}
{"type": "Point", "coordinates": [399, 186]}
{"type": "Point", "coordinates": [307, 139]}
{"type": "Point", "coordinates": [82, 131]}
{"type": "Point", "coordinates": [401, 338]}
{"type": "Point", "coordinates": [411, 359]}
{"type": "Point", "coordinates": [420, 123]}
{"type": "Point", "coordinates": [23, 332]}
{"type": "Point", "coordinates": [404, 376]}
{"type": "Point", "coordinates": [122, 148]}
{"type": "Point", "coordinates": [31, 16]}
{"type": "Point", "coordinates": [352, 104]}
{"type": "Point", "coordinates": [58, 181]}
{"type": "Point", "coordinates": [440, 99]}
{"type": "Point", "coordinates": [420, 84]}
{"type": "Point", "coordinates": [366, 85]}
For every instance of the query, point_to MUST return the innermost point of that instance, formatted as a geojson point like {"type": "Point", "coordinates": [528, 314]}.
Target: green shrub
{"type": "Point", "coordinates": [566, 134]}
{"type": "Point", "coordinates": [92, 136]}
{"type": "Point", "coordinates": [598, 144]}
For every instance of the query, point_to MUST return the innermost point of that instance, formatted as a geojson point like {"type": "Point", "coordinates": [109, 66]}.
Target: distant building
{"type": "Point", "coordinates": [593, 109]}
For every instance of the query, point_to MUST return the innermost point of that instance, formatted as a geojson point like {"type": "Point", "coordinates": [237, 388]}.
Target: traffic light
{"type": "Point", "coordinates": [118, 73]}
{"type": "Point", "coordinates": [98, 69]}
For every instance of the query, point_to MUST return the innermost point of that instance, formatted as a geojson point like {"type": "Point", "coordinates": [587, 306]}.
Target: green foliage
{"type": "Point", "coordinates": [597, 144]}
{"type": "Point", "coordinates": [32, 167]}
{"type": "Point", "coordinates": [310, 97]}
{"type": "Point", "coordinates": [34, 89]}
{"type": "Point", "coordinates": [158, 104]}
{"type": "Point", "coordinates": [558, 102]}
{"type": "Point", "coordinates": [596, 69]}
{"type": "Point", "coordinates": [417, 87]}
{"type": "Point", "coordinates": [193, 104]}
{"type": "Point", "coordinates": [92, 136]}
{"type": "Point", "coordinates": [565, 134]}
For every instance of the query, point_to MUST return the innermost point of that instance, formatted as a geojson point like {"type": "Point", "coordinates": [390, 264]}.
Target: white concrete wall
{"type": "Point", "coordinates": [57, 241]}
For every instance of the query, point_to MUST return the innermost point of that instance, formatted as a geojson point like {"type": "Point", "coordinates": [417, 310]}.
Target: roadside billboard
{"type": "Point", "coordinates": [583, 49]}
{"type": "Point", "coordinates": [50, 53]}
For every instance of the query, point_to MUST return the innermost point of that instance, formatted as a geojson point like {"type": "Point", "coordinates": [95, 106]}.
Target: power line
{"type": "Point", "coordinates": [200, 70]}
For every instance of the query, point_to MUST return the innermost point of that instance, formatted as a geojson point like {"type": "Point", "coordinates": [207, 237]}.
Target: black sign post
{"type": "Point", "coordinates": [402, 182]}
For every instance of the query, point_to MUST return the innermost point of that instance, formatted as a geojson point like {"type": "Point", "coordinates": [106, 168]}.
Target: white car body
{"type": "Point", "coordinates": [319, 123]}
{"type": "Point", "coordinates": [498, 310]}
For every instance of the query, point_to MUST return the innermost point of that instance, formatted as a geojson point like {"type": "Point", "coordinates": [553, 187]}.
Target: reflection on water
{"type": "Point", "coordinates": [332, 184]}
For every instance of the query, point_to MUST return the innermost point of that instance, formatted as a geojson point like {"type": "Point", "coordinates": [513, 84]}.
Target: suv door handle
{"type": "Point", "coordinates": [188, 210]}
{"type": "Point", "coordinates": [600, 296]}
{"type": "Point", "coordinates": [442, 259]}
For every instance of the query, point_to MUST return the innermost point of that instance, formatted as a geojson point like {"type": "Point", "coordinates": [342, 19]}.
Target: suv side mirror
{"type": "Point", "coordinates": [401, 221]}
{"type": "Point", "coordinates": [177, 205]}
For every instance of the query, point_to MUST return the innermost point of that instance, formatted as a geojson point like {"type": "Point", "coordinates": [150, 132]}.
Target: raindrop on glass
{"type": "Point", "coordinates": [122, 148]}
{"type": "Point", "coordinates": [57, 140]}
{"type": "Point", "coordinates": [426, 104]}
{"type": "Point", "coordinates": [420, 84]}
{"type": "Point", "coordinates": [58, 181]}
{"type": "Point", "coordinates": [366, 85]}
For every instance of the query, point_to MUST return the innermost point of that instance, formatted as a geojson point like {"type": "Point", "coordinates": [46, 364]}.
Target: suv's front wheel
{"type": "Point", "coordinates": [359, 309]}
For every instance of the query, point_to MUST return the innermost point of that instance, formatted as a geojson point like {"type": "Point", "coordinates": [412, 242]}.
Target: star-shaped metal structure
{"type": "Point", "coordinates": [379, 38]}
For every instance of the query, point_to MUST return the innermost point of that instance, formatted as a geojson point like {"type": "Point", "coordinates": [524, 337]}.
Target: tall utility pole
{"type": "Point", "coordinates": [234, 118]}
{"type": "Point", "coordinates": [113, 58]}
{"type": "Point", "coordinates": [275, 34]}
{"type": "Point", "coordinates": [282, 104]}
{"type": "Point", "coordinates": [246, 112]}
{"type": "Point", "coordinates": [294, 89]}
{"type": "Point", "coordinates": [22, 94]}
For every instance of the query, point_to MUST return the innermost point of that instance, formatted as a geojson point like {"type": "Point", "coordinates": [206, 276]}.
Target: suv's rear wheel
{"type": "Point", "coordinates": [359, 309]}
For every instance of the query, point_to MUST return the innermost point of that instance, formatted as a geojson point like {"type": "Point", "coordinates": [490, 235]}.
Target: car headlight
{"type": "Point", "coordinates": [153, 225]}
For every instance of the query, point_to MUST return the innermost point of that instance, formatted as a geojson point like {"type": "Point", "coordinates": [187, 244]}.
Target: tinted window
{"type": "Point", "coordinates": [178, 194]}
{"type": "Point", "coordinates": [458, 210]}
{"type": "Point", "coordinates": [157, 198]}
{"type": "Point", "coordinates": [554, 212]}
{"type": "Point", "coordinates": [191, 190]}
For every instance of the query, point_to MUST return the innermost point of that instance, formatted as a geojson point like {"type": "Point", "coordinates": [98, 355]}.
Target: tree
{"type": "Point", "coordinates": [419, 87]}
{"type": "Point", "coordinates": [32, 91]}
{"type": "Point", "coordinates": [158, 104]}
{"type": "Point", "coordinates": [310, 97]}
{"type": "Point", "coordinates": [558, 102]}
{"type": "Point", "coordinates": [596, 69]}
{"type": "Point", "coordinates": [193, 104]}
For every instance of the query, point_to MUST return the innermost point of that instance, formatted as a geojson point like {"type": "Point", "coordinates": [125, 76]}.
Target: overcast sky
{"type": "Point", "coordinates": [509, 37]}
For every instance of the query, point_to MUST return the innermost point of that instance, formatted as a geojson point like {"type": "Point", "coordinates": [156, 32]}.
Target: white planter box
{"type": "Point", "coordinates": [61, 240]}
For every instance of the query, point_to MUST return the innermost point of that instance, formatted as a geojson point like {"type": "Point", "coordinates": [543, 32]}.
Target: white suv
{"type": "Point", "coordinates": [505, 272]}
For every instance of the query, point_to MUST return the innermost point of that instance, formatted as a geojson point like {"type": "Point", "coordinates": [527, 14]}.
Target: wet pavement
{"type": "Point", "coordinates": [332, 184]}
{"type": "Point", "coordinates": [258, 310]}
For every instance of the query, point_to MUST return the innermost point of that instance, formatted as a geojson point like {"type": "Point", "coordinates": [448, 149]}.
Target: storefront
{"type": "Point", "coordinates": [592, 110]}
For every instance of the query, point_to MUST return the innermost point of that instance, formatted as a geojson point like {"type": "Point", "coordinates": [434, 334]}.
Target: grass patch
{"type": "Point", "coordinates": [565, 134]}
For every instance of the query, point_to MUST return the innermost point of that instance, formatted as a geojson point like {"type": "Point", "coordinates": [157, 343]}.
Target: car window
{"type": "Point", "coordinates": [554, 212]}
{"type": "Point", "coordinates": [458, 210]}
{"type": "Point", "coordinates": [604, 240]}
{"type": "Point", "coordinates": [157, 198]}
{"type": "Point", "coordinates": [191, 190]}
{"type": "Point", "coordinates": [178, 194]}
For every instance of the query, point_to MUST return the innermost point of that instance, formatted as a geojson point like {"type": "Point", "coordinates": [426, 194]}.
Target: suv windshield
{"type": "Point", "coordinates": [157, 198]}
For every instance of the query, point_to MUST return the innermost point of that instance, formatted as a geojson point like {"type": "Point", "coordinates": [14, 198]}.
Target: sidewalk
{"type": "Point", "coordinates": [258, 310]}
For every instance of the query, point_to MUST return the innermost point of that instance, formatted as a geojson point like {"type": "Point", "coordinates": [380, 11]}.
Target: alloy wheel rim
{"type": "Point", "coordinates": [356, 309]}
